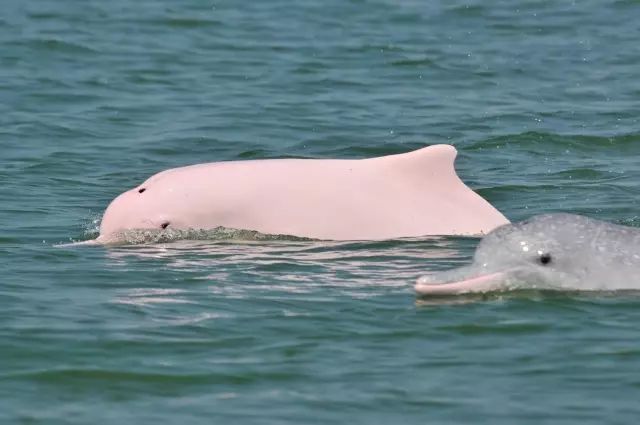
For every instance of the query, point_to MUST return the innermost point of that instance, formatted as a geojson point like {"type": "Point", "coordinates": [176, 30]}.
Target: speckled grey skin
{"type": "Point", "coordinates": [550, 251]}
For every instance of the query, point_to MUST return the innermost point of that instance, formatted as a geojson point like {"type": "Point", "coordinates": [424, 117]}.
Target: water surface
{"type": "Point", "coordinates": [541, 99]}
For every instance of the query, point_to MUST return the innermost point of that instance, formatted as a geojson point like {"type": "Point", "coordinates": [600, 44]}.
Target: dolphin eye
{"type": "Point", "coordinates": [142, 189]}
{"type": "Point", "coordinates": [165, 225]}
{"type": "Point", "coordinates": [545, 258]}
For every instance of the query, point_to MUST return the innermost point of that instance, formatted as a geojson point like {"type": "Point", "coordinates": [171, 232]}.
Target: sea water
{"type": "Point", "coordinates": [541, 99]}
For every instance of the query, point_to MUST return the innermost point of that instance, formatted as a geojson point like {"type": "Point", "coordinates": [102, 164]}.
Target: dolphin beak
{"type": "Point", "coordinates": [459, 281]}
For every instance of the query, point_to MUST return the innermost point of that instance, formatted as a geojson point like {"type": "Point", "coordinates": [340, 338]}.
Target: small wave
{"type": "Point", "coordinates": [416, 62]}
{"type": "Point", "coordinates": [144, 301]}
{"type": "Point", "coordinates": [151, 236]}
{"type": "Point", "coordinates": [531, 295]}
{"type": "Point", "coordinates": [631, 221]}
{"type": "Point", "coordinates": [586, 174]}
{"type": "Point", "coordinates": [533, 141]}
{"type": "Point", "coordinates": [94, 375]}
{"type": "Point", "coordinates": [57, 45]}
{"type": "Point", "coordinates": [186, 23]}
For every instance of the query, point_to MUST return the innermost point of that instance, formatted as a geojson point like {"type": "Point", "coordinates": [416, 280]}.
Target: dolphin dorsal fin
{"type": "Point", "coordinates": [435, 160]}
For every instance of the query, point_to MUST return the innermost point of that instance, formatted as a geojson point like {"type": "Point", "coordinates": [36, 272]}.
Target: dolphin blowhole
{"type": "Point", "coordinates": [545, 258]}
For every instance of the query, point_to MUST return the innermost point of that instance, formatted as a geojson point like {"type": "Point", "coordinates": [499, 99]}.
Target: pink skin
{"type": "Point", "coordinates": [407, 195]}
{"type": "Point", "coordinates": [483, 283]}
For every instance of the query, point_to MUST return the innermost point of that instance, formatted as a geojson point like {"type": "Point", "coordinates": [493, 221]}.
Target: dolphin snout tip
{"type": "Point", "coordinates": [458, 283]}
{"type": "Point", "coordinates": [428, 284]}
{"type": "Point", "coordinates": [423, 280]}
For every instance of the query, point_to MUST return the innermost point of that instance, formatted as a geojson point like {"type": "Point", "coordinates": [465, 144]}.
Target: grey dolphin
{"type": "Point", "coordinates": [550, 251]}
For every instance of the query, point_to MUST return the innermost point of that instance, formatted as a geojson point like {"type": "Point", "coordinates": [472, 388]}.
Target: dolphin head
{"type": "Point", "coordinates": [138, 208]}
{"type": "Point", "coordinates": [551, 251]}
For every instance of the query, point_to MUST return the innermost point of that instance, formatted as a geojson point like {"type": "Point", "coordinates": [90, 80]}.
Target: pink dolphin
{"type": "Point", "coordinates": [412, 194]}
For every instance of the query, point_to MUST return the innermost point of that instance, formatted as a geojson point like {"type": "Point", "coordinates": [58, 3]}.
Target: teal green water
{"type": "Point", "coordinates": [542, 100]}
